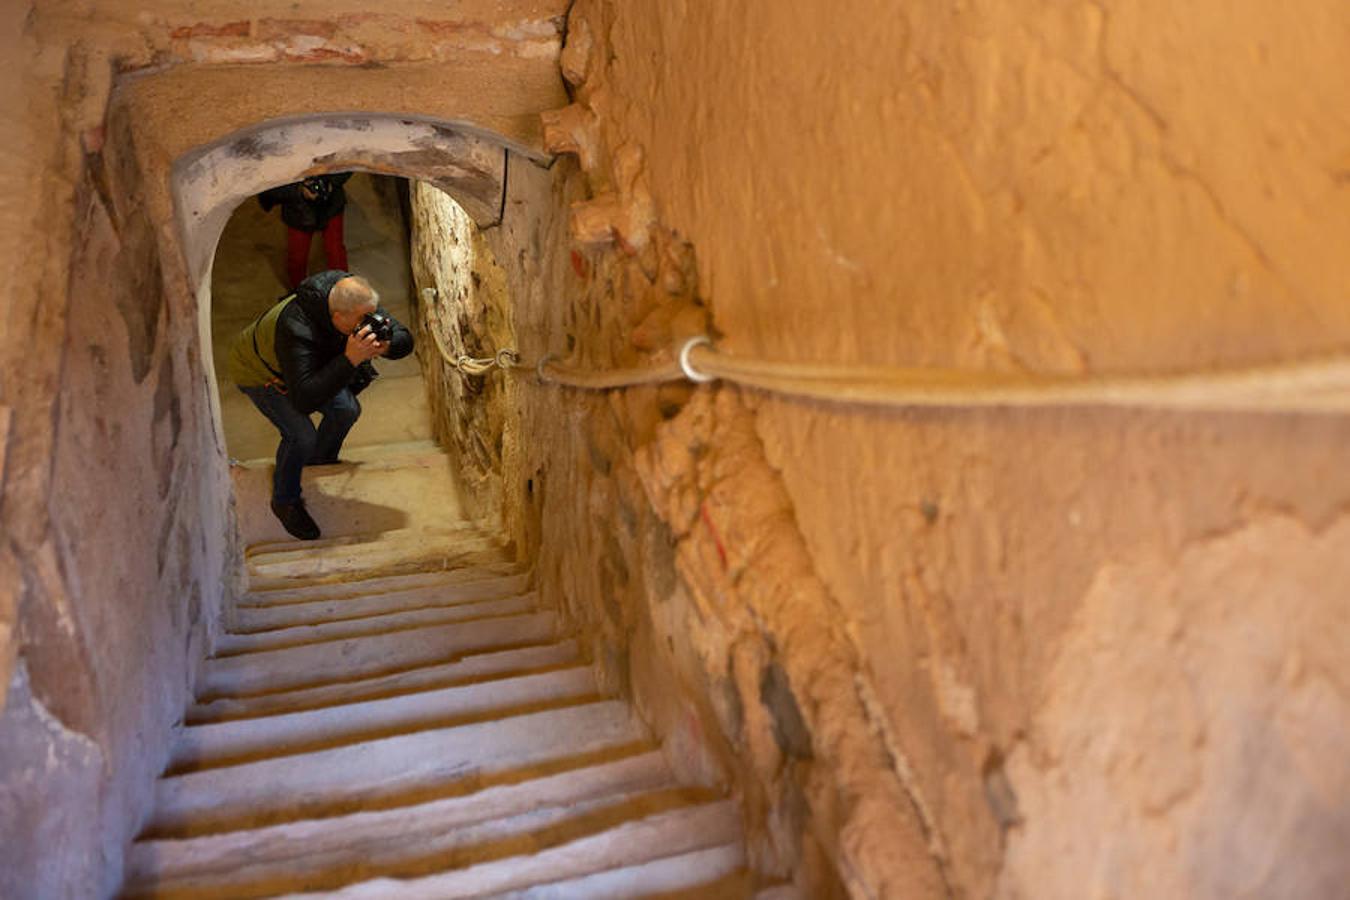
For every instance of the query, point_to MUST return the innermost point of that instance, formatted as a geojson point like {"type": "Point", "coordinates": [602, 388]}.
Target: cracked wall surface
{"type": "Point", "coordinates": [1049, 187]}
{"type": "Point", "coordinates": [1225, 756]}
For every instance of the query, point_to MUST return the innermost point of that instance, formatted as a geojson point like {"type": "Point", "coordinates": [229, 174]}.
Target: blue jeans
{"type": "Point", "coordinates": [301, 443]}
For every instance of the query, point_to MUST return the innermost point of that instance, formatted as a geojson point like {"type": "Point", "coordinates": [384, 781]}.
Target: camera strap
{"type": "Point", "coordinates": [277, 381]}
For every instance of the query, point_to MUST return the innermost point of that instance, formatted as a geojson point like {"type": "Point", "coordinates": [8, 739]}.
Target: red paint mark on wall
{"type": "Point", "coordinates": [269, 29]}
{"type": "Point", "coordinates": [92, 139]}
{"type": "Point", "coordinates": [579, 264]}
{"type": "Point", "coordinates": [717, 538]}
{"type": "Point", "coordinates": [325, 54]}
{"type": "Point", "coordinates": [694, 727]}
{"type": "Point", "coordinates": [443, 27]}
{"type": "Point", "coordinates": [203, 29]}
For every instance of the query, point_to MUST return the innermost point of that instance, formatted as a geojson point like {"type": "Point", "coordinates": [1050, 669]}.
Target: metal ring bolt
{"type": "Point", "coordinates": [687, 367]}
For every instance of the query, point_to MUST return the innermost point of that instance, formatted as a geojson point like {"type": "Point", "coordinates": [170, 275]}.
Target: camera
{"type": "Point", "coordinates": [380, 325]}
{"type": "Point", "coordinates": [319, 186]}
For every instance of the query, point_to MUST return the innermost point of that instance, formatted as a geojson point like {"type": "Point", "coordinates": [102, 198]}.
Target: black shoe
{"type": "Point", "coordinates": [296, 519]}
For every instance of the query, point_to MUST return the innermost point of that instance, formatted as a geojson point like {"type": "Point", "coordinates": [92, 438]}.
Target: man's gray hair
{"type": "Point", "coordinates": [351, 294]}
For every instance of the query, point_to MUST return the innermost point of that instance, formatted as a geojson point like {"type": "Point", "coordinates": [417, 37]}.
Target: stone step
{"type": "Point", "coordinates": [350, 605]}
{"type": "Point", "coordinates": [362, 586]}
{"type": "Point", "coordinates": [288, 669]}
{"type": "Point", "coordinates": [388, 714]}
{"type": "Point", "coordinates": [267, 549]}
{"type": "Point", "coordinates": [714, 873]}
{"type": "Point", "coordinates": [327, 853]}
{"type": "Point", "coordinates": [410, 537]}
{"type": "Point", "coordinates": [295, 568]}
{"type": "Point", "coordinates": [663, 835]}
{"type": "Point", "coordinates": [202, 746]}
{"type": "Point", "coordinates": [475, 668]}
{"type": "Point", "coordinates": [363, 495]}
{"type": "Point", "coordinates": [392, 771]}
{"type": "Point", "coordinates": [233, 644]}
{"type": "Point", "coordinates": [399, 452]}
{"type": "Point", "coordinates": [418, 453]}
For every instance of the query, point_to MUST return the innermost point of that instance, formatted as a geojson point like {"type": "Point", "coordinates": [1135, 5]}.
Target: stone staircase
{"type": "Point", "coordinates": [397, 717]}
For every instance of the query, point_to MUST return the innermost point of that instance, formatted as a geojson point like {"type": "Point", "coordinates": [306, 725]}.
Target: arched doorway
{"type": "Point", "coordinates": [210, 184]}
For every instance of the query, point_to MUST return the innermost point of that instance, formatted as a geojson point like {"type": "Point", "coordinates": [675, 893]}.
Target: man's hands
{"type": "Point", "coordinates": [362, 346]}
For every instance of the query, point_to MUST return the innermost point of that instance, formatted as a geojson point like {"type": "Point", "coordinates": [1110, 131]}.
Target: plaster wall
{"type": "Point", "coordinates": [936, 644]}
{"type": "Point", "coordinates": [118, 540]}
{"type": "Point", "coordinates": [109, 499]}
{"type": "Point", "coordinates": [596, 490]}
{"type": "Point", "coordinates": [1050, 618]}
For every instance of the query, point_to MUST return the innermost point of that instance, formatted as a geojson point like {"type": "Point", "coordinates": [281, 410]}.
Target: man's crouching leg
{"type": "Point", "coordinates": [339, 415]}
{"type": "Point", "coordinates": [296, 449]}
{"type": "Point", "coordinates": [298, 442]}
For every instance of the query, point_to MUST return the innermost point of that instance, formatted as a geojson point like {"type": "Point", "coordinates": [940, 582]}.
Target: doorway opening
{"type": "Point", "coordinates": [372, 489]}
{"type": "Point", "coordinates": [249, 275]}
{"type": "Point", "coordinates": [457, 162]}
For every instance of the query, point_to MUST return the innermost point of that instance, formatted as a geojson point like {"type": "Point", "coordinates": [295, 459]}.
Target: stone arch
{"type": "Point", "coordinates": [210, 182]}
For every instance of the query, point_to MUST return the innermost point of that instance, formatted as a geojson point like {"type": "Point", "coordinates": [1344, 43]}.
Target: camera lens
{"type": "Point", "coordinates": [380, 326]}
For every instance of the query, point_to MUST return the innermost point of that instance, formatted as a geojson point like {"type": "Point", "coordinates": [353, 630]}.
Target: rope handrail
{"type": "Point", "coordinates": [1319, 385]}
{"type": "Point", "coordinates": [1309, 386]}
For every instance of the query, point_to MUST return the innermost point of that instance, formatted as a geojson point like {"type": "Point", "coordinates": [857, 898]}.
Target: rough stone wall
{"type": "Point", "coordinates": [931, 646]}
{"type": "Point", "coordinates": [598, 491]}
{"type": "Point", "coordinates": [461, 311]}
{"type": "Point", "coordinates": [108, 493]}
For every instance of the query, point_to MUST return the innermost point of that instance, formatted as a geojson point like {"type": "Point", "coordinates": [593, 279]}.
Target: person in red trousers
{"type": "Point", "coordinates": [309, 206]}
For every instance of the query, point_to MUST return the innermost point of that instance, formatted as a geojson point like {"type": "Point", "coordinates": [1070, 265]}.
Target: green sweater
{"type": "Point", "coordinates": [248, 367]}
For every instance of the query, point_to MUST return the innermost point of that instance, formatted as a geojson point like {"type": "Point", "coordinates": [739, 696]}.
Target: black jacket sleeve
{"type": "Point", "coordinates": [401, 343]}
{"type": "Point", "coordinates": [286, 193]}
{"type": "Point", "coordinates": [311, 380]}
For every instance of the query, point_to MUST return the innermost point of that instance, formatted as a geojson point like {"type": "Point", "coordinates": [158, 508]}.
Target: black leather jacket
{"type": "Point", "coordinates": [303, 214]}
{"type": "Point", "coordinates": [312, 352]}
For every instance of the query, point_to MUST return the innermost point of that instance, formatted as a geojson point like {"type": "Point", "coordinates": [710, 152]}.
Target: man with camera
{"type": "Point", "coordinates": [311, 352]}
{"type": "Point", "coordinates": [308, 207]}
